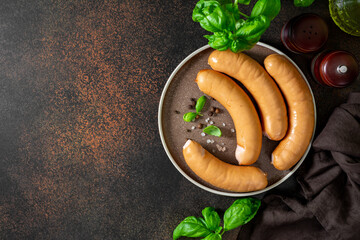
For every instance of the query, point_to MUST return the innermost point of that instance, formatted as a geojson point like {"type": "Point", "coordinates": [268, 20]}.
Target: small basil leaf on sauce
{"type": "Point", "coordinates": [190, 116]}
{"type": "Point", "coordinates": [200, 104]}
{"type": "Point", "coordinates": [212, 130]}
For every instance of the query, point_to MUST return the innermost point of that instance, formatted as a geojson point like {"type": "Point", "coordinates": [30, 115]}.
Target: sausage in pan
{"type": "Point", "coordinates": [241, 109]}
{"type": "Point", "coordinates": [264, 90]}
{"type": "Point", "coordinates": [221, 174]}
{"type": "Point", "coordinates": [301, 111]}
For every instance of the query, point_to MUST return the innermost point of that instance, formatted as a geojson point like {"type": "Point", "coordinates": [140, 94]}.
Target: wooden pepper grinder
{"type": "Point", "coordinates": [335, 68]}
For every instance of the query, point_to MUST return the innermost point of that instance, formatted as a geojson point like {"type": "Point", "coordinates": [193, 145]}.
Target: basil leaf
{"type": "Point", "coordinates": [219, 41]}
{"type": "Point", "coordinates": [303, 3]}
{"type": "Point", "coordinates": [212, 218]}
{"type": "Point", "coordinates": [188, 117]}
{"type": "Point", "coordinates": [191, 227]}
{"type": "Point", "coordinates": [239, 23]}
{"type": "Point", "coordinates": [253, 28]}
{"type": "Point", "coordinates": [233, 10]}
{"type": "Point", "coordinates": [268, 8]}
{"type": "Point", "coordinates": [224, 19]}
{"type": "Point", "coordinates": [218, 230]}
{"type": "Point", "coordinates": [245, 2]}
{"type": "Point", "coordinates": [213, 236]}
{"type": "Point", "coordinates": [215, 16]}
{"type": "Point", "coordinates": [240, 45]}
{"type": "Point", "coordinates": [212, 130]}
{"type": "Point", "coordinates": [203, 8]}
{"type": "Point", "coordinates": [200, 103]}
{"type": "Point", "coordinates": [217, 21]}
{"type": "Point", "coordinates": [240, 212]}
{"type": "Point", "coordinates": [223, 2]}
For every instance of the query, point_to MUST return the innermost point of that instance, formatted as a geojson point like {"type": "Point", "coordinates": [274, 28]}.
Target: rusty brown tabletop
{"type": "Point", "coordinates": [80, 84]}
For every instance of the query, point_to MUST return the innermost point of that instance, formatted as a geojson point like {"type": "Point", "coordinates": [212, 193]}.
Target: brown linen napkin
{"type": "Point", "coordinates": [328, 207]}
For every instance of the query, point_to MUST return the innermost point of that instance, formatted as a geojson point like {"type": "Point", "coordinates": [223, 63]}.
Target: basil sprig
{"type": "Point", "coordinates": [190, 116]}
{"type": "Point", "coordinates": [231, 28]}
{"type": "Point", "coordinates": [209, 226]}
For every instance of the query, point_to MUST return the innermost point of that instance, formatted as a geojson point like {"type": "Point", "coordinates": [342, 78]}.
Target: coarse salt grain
{"type": "Point", "coordinates": [224, 124]}
{"type": "Point", "coordinates": [232, 130]}
{"type": "Point", "coordinates": [193, 127]}
{"type": "Point", "coordinates": [211, 122]}
{"type": "Point", "coordinates": [208, 141]}
{"type": "Point", "coordinates": [203, 134]}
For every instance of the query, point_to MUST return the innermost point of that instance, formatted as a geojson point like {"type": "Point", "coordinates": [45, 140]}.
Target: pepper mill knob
{"type": "Point", "coordinates": [342, 69]}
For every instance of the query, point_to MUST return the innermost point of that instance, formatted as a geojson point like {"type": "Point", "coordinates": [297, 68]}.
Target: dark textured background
{"type": "Point", "coordinates": [80, 83]}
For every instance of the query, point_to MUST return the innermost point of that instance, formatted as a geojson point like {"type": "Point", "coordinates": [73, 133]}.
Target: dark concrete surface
{"type": "Point", "coordinates": [80, 83]}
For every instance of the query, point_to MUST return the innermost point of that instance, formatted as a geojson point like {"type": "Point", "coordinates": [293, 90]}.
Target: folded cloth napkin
{"type": "Point", "coordinates": [328, 203]}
